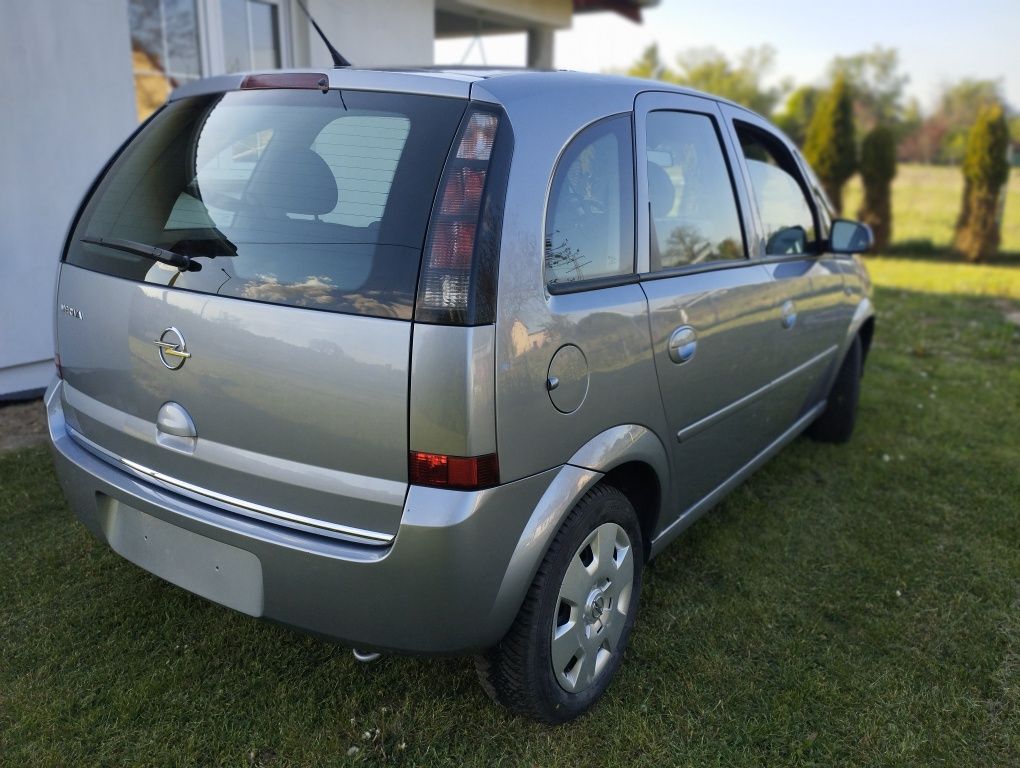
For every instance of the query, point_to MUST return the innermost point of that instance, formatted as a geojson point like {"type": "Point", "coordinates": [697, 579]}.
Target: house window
{"type": "Point", "coordinates": [251, 35]}
{"type": "Point", "coordinates": [176, 41]}
{"type": "Point", "coordinates": [164, 49]}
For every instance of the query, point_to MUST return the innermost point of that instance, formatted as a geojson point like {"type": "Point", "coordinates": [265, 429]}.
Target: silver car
{"type": "Point", "coordinates": [436, 361]}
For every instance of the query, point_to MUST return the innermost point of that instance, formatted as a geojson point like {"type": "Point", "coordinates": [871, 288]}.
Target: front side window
{"type": "Point", "coordinates": [590, 220]}
{"type": "Point", "coordinates": [164, 49]}
{"type": "Point", "coordinates": [288, 197]}
{"type": "Point", "coordinates": [693, 212]}
{"type": "Point", "coordinates": [786, 215]}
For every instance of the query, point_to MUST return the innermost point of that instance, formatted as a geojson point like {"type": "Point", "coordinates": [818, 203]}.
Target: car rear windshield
{"type": "Point", "coordinates": [303, 198]}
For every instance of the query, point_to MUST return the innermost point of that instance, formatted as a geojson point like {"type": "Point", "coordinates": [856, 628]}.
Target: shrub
{"type": "Point", "coordinates": [878, 168]}
{"type": "Point", "coordinates": [830, 145]}
{"type": "Point", "coordinates": [985, 170]}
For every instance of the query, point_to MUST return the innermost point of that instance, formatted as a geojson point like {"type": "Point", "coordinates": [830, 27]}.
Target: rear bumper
{"type": "Point", "coordinates": [452, 580]}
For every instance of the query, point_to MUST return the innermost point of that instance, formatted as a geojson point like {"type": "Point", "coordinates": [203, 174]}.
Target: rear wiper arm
{"type": "Point", "coordinates": [163, 255]}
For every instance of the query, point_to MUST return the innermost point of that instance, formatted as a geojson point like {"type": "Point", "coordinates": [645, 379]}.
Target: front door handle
{"type": "Point", "coordinates": [789, 314]}
{"type": "Point", "coordinates": [683, 343]}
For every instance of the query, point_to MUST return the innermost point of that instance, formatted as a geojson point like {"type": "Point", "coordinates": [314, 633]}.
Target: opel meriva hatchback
{"type": "Point", "coordinates": [436, 361]}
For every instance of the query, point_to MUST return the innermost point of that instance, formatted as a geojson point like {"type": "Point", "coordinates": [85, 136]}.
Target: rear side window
{"type": "Point", "coordinates": [287, 197]}
{"type": "Point", "coordinates": [590, 220]}
{"type": "Point", "coordinates": [779, 193]}
{"type": "Point", "coordinates": [693, 212]}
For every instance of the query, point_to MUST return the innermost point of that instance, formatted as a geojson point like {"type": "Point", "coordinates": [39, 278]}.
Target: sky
{"type": "Point", "coordinates": [939, 41]}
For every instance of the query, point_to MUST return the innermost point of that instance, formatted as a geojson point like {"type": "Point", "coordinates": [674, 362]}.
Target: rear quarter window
{"type": "Point", "coordinates": [590, 219]}
{"type": "Point", "coordinates": [287, 197]}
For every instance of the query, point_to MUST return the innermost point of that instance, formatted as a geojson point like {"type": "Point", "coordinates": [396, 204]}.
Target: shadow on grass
{"type": "Point", "coordinates": [926, 250]}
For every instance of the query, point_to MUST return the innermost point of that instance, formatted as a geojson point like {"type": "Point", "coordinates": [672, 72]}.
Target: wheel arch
{"type": "Point", "coordinates": [632, 458]}
{"type": "Point", "coordinates": [638, 481]}
{"type": "Point", "coordinates": [867, 333]}
{"type": "Point", "coordinates": [862, 325]}
{"type": "Point", "coordinates": [862, 322]}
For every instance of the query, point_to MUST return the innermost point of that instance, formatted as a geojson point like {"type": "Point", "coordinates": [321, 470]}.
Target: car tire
{"type": "Point", "coordinates": [598, 549]}
{"type": "Point", "coordinates": [836, 424]}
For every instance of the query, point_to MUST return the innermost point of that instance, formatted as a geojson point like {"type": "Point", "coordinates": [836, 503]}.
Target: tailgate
{"type": "Point", "coordinates": [298, 413]}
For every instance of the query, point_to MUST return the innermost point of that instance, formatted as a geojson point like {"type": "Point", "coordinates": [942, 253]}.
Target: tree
{"type": "Point", "coordinates": [955, 113]}
{"type": "Point", "coordinates": [878, 168]}
{"type": "Point", "coordinates": [876, 83]}
{"type": "Point", "coordinates": [830, 145]}
{"type": "Point", "coordinates": [797, 113]}
{"type": "Point", "coordinates": [985, 170]}
{"type": "Point", "coordinates": [649, 65]}
{"type": "Point", "coordinates": [710, 70]}
{"type": "Point", "coordinates": [920, 137]}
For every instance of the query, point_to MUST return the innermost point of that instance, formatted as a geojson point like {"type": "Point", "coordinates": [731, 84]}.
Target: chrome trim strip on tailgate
{"type": "Point", "coordinates": [276, 469]}
{"type": "Point", "coordinates": [357, 535]}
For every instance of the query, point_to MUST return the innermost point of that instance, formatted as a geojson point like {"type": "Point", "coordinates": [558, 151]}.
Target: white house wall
{"type": "Point", "coordinates": [66, 103]}
{"type": "Point", "coordinates": [374, 33]}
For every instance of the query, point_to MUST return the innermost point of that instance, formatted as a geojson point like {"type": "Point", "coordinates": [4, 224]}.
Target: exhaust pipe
{"type": "Point", "coordinates": [365, 657]}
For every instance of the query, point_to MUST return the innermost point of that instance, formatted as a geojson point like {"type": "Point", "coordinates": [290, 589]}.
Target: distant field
{"type": "Point", "coordinates": [926, 202]}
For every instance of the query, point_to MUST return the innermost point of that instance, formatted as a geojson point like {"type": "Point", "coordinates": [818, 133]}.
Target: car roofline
{"type": "Point", "coordinates": [500, 83]}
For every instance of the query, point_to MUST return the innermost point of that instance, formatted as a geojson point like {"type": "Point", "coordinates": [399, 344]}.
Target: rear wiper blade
{"type": "Point", "coordinates": [163, 255]}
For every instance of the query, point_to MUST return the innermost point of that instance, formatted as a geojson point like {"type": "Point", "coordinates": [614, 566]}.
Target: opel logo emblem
{"type": "Point", "coordinates": [598, 607]}
{"type": "Point", "coordinates": [173, 350]}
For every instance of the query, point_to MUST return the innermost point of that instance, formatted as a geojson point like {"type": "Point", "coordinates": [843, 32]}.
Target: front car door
{"type": "Point", "coordinates": [808, 284]}
{"type": "Point", "coordinates": [712, 320]}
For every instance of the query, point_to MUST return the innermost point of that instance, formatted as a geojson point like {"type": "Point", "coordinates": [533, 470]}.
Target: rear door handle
{"type": "Point", "coordinates": [683, 343]}
{"type": "Point", "coordinates": [789, 314]}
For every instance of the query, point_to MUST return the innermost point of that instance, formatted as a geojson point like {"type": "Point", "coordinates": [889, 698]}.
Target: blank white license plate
{"type": "Point", "coordinates": [216, 571]}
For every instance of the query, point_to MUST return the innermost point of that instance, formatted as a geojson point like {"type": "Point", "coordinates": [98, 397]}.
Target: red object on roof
{"type": "Point", "coordinates": [631, 9]}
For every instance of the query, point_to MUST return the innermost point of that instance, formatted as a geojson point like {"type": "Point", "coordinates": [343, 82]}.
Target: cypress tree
{"type": "Point", "coordinates": [830, 145]}
{"type": "Point", "coordinates": [985, 170]}
{"type": "Point", "coordinates": [878, 168]}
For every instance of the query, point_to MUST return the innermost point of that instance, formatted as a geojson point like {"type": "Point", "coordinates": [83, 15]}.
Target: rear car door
{"type": "Point", "coordinates": [271, 377]}
{"type": "Point", "coordinates": [808, 284]}
{"type": "Point", "coordinates": [712, 321]}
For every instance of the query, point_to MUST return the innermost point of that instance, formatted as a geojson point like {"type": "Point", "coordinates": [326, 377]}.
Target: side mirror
{"type": "Point", "coordinates": [787, 240]}
{"type": "Point", "coordinates": [850, 237]}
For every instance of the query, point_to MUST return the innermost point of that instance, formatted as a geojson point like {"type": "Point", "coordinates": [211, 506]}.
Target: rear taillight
{"type": "Point", "coordinates": [458, 277]}
{"type": "Point", "coordinates": [460, 472]}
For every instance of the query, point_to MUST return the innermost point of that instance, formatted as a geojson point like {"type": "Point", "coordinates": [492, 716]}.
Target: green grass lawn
{"type": "Point", "coordinates": [946, 278]}
{"type": "Point", "coordinates": [853, 605]}
{"type": "Point", "coordinates": [926, 202]}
